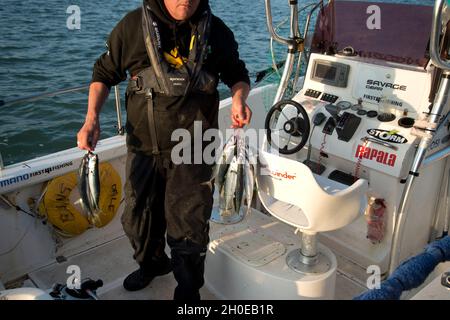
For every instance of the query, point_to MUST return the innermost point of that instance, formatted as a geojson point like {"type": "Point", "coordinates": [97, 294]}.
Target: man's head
{"type": "Point", "coordinates": [181, 9]}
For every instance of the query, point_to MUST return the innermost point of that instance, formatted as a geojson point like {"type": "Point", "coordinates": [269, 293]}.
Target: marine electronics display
{"type": "Point", "coordinates": [331, 73]}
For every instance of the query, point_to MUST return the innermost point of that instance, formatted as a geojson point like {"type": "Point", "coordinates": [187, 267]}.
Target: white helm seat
{"type": "Point", "coordinates": [292, 193]}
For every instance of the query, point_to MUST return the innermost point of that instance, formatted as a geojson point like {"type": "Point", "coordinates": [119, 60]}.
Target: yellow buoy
{"type": "Point", "coordinates": [63, 213]}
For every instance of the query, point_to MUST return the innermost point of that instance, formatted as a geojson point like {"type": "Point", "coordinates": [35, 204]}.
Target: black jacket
{"type": "Point", "coordinates": [127, 54]}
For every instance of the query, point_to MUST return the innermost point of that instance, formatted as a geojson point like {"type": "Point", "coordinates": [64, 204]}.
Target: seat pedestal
{"type": "Point", "coordinates": [230, 276]}
{"type": "Point", "coordinates": [307, 259]}
{"type": "Point", "coordinates": [299, 263]}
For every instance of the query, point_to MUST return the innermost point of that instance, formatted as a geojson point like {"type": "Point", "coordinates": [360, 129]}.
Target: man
{"type": "Point", "coordinates": [173, 82]}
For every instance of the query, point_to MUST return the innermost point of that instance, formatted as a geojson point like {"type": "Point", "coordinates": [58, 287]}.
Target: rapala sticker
{"type": "Point", "coordinates": [388, 136]}
{"type": "Point", "coordinates": [372, 154]}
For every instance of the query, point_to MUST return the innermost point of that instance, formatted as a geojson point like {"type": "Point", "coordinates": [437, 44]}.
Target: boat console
{"type": "Point", "coordinates": [364, 119]}
{"type": "Point", "coordinates": [355, 161]}
{"type": "Point", "coordinates": [362, 113]}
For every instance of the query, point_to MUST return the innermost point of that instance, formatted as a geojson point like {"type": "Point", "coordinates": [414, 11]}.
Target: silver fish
{"type": "Point", "coordinates": [239, 191]}
{"type": "Point", "coordinates": [220, 156]}
{"type": "Point", "coordinates": [94, 184]}
{"type": "Point", "coordinates": [223, 163]}
{"type": "Point", "coordinates": [83, 186]}
{"type": "Point", "coordinates": [249, 182]}
{"type": "Point", "coordinates": [229, 188]}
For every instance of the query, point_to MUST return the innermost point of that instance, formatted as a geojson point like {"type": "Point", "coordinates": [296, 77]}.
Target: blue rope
{"type": "Point", "coordinates": [411, 273]}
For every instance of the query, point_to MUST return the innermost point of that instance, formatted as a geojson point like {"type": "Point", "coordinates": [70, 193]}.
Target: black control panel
{"type": "Point", "coordinates": [313, 93]}
{"type": "Point", "coordinates": [329, 98]}
{"type": "Point", "coordinates": [329, 126]}
{"type": "Point", "coordinates": [347, 125]}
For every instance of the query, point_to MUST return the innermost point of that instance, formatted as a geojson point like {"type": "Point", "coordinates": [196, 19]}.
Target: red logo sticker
{"type": "Point", "coordinates": [284, 175]}
{"type": "Point", "coordinates": [382, 157]}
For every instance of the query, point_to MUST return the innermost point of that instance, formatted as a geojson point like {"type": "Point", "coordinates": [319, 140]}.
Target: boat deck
{"type": "Point", "coordinates": [113, 261]}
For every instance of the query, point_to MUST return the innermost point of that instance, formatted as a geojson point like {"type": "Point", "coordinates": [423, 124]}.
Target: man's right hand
{"type": "Point", "coordinates": [88, 135]}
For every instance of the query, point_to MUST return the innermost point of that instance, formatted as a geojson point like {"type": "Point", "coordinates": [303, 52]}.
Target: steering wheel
{"type": "Point", "coordinates": [291, 120]}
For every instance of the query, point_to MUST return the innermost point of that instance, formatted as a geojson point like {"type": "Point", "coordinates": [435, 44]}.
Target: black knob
{"type": "Point", "coordinates": [349, 52]}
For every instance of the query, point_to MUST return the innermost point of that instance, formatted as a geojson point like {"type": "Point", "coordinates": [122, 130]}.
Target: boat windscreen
{"type": "Point", "coordinates": [397, 33]}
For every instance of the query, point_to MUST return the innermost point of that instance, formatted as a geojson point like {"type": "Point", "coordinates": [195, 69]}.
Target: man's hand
{"type": "Point", "coordinates": [88, 135]}
{"type": "Point", "coordinates": [240, 111]}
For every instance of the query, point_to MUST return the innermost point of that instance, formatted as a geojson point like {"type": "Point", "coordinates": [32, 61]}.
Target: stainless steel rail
{"type": "Point", "coordinates": [305, 37]}
{"type": "Point", "coordinates": [9, 103]}
{"type": "Point", "coordinates": [294, 43]}
{"type": "Point", "coordinates": [41, 96]}
{"type": "Point", "coordinates": [436, 31]}
{"type": "Point", "coordinates": [439, 106]}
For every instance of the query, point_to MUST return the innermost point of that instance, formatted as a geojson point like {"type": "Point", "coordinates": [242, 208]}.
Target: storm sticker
{"type": "Point", "coordinates": [388, 136]}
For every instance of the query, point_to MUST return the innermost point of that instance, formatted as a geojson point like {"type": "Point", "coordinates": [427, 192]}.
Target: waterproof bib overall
{"type": "Point", "coordinates": [162, 197]}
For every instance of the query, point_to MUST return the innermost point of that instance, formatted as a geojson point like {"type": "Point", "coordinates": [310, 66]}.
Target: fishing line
{"type": "Point", "coordinates": [358, 164]}
{"type": "Point", "coordinates": [322, 148]}
{"type": "Point", "coordinates": [16, 207]}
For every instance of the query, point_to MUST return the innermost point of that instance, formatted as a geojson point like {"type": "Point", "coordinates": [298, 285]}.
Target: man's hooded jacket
{"type": "Point", "coordinates": [127, 54]}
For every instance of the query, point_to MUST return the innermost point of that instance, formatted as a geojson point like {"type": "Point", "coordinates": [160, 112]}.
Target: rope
{"type": "Point", "coordinates": [411, 273]}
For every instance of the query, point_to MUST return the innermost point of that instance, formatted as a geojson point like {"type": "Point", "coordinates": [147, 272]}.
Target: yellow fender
{"type": "Point", "coordinates": [57, 204]}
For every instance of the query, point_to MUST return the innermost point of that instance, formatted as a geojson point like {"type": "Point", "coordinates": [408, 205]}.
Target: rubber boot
{"type": "Point", "coordinates": [142, 277]}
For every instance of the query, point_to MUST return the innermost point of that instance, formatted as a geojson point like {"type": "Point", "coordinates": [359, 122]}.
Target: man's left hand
{"type": "Point", "coordinates": [240, 114]}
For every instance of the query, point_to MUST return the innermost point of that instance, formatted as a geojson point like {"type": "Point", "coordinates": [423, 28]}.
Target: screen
{"type": "Point", "coordinates": [326, 72]}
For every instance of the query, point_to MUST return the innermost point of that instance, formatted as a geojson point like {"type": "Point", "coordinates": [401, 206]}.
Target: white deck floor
{"type": "Point", "coordinates": [113, 261]}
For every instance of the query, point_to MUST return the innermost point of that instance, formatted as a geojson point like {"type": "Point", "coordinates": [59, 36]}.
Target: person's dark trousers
{"type": "Point", "coordinates": [162, 196]}
{"type": "Point", "coordinates": [189, 201]}
{"type": "Point", "coordinates": [188, 263]}
{"type": "Point", "coordinates": [143, 219]}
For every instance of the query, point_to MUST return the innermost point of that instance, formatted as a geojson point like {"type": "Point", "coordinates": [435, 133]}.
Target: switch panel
{"type": "Point", "coordinates": [329, 98]}
{"type": "Point", "coordinates": [313, 93]}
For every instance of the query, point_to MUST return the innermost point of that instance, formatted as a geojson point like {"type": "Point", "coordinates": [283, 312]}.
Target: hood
{"type": "Point", "coordinates": [159, 9]}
